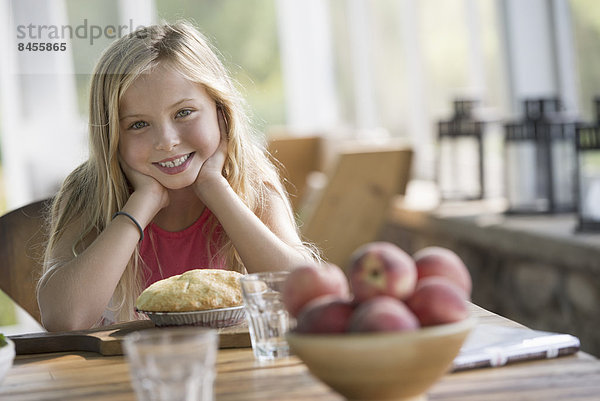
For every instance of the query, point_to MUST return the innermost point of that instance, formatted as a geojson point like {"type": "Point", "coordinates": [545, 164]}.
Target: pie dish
{"type": "Point", "coordinates": [214, 318]}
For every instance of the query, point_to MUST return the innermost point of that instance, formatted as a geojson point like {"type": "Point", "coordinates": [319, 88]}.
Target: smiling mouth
{"type": "Point", "coordinates": [176, 162]}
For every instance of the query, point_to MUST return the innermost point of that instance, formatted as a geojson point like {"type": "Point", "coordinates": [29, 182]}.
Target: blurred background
{"type": "Point", "coordinates": [351, 69]}
{"type": "Point", "coordinates": [354, 67]}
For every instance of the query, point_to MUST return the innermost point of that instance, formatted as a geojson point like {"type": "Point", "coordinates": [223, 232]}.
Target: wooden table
{"type": "Point", "coordinates": [89, 376]}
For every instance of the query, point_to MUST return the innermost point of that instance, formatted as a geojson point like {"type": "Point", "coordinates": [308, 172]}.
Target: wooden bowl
{"type": "Point", "coordinates": [382, 366]}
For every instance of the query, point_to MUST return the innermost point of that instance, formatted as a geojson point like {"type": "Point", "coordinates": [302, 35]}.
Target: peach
{"type": "Point", "coordinates": [382, 313]}
{"type": "Point", "coordinates": [438, 261]}
{"type": "Point", "coordinates": [381, 268]}
{"type": "Point", "coordinates": [437, 300]}
{"type": "Point", "coordinates": [325, 314]}
{"type": "Point", "coordinates": [311, 281]}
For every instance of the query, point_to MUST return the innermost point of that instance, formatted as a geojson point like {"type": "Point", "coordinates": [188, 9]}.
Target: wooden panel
{"type": "Point", "coordinates": [355, 202]}
{"type": "Point", "coordinates": [22, 242]}
{"type": "Point", "coordinates": [299, 156]}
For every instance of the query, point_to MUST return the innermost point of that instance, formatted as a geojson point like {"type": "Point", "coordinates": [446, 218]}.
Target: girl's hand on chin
{"type": "Point", "coordinates": [212, 169]}
{"type": "Point", "coordinates": [145, 184]}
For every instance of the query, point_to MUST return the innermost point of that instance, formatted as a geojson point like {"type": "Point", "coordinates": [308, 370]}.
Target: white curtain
{"type": "Point", "coordinates": [307, 63]}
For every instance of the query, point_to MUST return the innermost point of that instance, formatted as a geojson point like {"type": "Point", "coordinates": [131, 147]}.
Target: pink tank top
{"type": "Point", "coordinates": [168, 253]}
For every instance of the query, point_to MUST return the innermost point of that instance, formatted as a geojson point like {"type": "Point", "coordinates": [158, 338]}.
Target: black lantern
{"type": "Point", "coordinates": [540, 159]}
{"type": "Point", "coordinates": [588, 177]}
{"type": "Point", "coordinates": [523, 176]}
{"type": "Point", "coordinates": [562, 162]}
{"type": "Point", "coordinates": [460, 165]}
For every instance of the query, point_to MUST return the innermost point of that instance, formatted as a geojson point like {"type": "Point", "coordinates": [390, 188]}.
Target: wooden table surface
{"type": "Point", "coordinates": [90, 376]}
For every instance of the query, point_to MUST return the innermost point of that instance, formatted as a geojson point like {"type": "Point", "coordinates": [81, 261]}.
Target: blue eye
{"type": "Point", "coordinates": [138, 125]}
{"type": "Point", "coordinates": [184, 113]}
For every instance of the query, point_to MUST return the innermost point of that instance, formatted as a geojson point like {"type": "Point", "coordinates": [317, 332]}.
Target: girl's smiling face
{"type": "Point", "coordinates": [168, 127]}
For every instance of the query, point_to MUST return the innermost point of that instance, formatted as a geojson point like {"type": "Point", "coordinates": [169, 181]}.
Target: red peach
{"type": "Point", "coordinates": [325, 314]}
{"type": "Point", "coordinates": [382, 313]}
{"type": "Point", "coordinates": [311, 281]}
{"type": "Point", "coordinates": [438, 261]}
{"type": "Point", "coordinates": [437, 300]}
{"type": "Point", "coordinates": [381, 268]}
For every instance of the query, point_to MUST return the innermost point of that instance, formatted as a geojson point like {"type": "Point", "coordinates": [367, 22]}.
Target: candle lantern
{"type": "Point", "coordinates": [460, 166]}
{"type": "Point", "coordinates": [540, 159]}
{"type": "Point", "coordinates": [588, 177]}
{"type": "Point", "coordinates": [562, 163]}
{"type": "Point", "coordinates": [522, 174]}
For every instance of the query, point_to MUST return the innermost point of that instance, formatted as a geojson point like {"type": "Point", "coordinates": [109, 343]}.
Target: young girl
{"type": "Point", "coordinates": [174, 182]}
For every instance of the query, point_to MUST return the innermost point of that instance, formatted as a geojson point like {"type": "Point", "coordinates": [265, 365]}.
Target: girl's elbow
{"type": "Point", "coordinates": [63, 322]}
{"type": "Point", "coordinates": [57, 318]}
{"type": "Point", "coordinates": [51, 324]}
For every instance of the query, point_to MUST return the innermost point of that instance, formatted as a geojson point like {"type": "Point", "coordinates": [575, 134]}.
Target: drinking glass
{"type": "Point", "coordinates": [268, 319]}
{"type": "Point", "coordinates": [172, 364]}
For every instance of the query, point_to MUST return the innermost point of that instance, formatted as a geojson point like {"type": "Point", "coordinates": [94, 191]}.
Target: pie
{"type": "Point", "coordinates": [194, 290]}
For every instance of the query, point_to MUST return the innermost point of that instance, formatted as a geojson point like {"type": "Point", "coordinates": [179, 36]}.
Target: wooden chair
{"type": "Point", "coordinates": [299, 157]}
{"type": "Point", "coordinates": [22, 239]}
{"type": "Point", "coordinates": [354, 204]}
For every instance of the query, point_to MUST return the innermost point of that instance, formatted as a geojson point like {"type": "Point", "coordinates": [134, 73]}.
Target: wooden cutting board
{"type": "Point", "coordinates": [107, 340]}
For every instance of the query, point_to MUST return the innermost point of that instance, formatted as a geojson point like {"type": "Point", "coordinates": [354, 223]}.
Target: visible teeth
{"type": "Point", "coordinates": [176, 162]}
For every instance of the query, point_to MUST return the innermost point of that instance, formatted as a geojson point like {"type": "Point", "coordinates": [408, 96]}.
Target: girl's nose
{"type": "Point", "coordinates": [166, 138]}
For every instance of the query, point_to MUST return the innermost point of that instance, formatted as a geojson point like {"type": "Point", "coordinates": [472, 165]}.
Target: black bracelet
{"type": "Point", "coordinates": [134, 221]}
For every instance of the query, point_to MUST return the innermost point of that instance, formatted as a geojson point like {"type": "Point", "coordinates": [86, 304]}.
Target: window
{"type": "Point", "coordinates": [245, 32]}
{"type": "Point", "coordinates": [410, 60]}
{"type": "Point", "coordinates": [87, 51]}
{"type": "Point", "coordinates": [586, 28]}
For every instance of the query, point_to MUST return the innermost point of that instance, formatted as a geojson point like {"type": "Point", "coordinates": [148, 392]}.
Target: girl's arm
{"type": "Point", "coordinates": [75, 294]}
{"type": "Point", "coordinates": [262, 247]}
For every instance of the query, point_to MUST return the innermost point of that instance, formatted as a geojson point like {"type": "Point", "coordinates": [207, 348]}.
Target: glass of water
{"type": "Point", "coordinates": [268, 320]}
{"type": "Point", "coordinates": [172, 364]}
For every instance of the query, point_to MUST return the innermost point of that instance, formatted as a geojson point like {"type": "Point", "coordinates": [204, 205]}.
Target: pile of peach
{"type": "Point", "coordinates": [383, 289]}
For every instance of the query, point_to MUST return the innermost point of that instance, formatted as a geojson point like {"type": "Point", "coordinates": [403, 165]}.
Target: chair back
{"type": "Point", "coordinates": [22, 239]}
{"type": "Point", "coordinates": [299, 156]}
{"type": "Point", "coordinates": [356, 200]}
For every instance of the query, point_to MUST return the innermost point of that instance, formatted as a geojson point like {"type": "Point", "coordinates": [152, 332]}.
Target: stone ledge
{"type": "Point", "coordinates": [546, 238]}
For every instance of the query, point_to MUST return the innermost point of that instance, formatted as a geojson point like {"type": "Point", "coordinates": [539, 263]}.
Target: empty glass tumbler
{"type": "Point", "coordinates": [172, 364]}
{"type": "Point", "coordinates": [268, 319]}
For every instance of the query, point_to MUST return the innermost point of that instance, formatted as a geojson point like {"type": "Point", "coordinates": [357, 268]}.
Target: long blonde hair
{"type": "Point", "coordinates": [94, 191]}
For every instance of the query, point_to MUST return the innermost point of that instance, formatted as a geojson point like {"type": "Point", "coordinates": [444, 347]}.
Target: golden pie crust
{"type": "Point", "coordinates": [194, 290]}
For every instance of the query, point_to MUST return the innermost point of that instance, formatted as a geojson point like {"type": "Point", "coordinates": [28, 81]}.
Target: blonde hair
{"type": "Point", "coordinates": [94, 191]}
